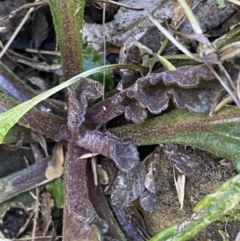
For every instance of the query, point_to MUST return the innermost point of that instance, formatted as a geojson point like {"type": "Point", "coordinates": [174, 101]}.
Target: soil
{"type": "Point", "coordinates": [213, 172]}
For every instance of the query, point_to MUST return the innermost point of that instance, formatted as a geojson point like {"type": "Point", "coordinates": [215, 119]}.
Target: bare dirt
{"type": "Point", "coordinates": [213, 171]}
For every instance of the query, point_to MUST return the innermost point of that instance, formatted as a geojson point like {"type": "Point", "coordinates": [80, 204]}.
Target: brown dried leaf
{"type": "Point", "coordinates": [113, 48]}
{"type": "Point", "coordinates": [178, 13]}
{"type": "Point", "coordinates": [152, 169]}
{"type": "Point", "coordinates": [100, 5]}
{"type": "Point", "coordinates": [149, 181]}
{"type": "Point", "coordinates": [47, 204]}
{"type": "Point", "coordinates": [147, 199]}
{"type": "Point", "coordinates": [55, 170]}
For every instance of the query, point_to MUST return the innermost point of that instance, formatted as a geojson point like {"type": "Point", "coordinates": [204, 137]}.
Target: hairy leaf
{"type": "Point", "coordinates": [13, 86]}
{"type": "Point", "coordinates": [78, 210]}
{"type": "Point", "coordinates": [134, 110]}
{"type": "Point", "coordinates": [182, 159]}
{"type": "Point", "coordinates": [78, 95]}
{"type": "Point", "coordinates": [124, 154]}
{"type": "Point", "coordinates": [80, 218]}
{"type": "Point", "coordinates": [15, 183]}
{"type": "Point", "coordinates": [218, 134]}
{"type": "Point", "coordinates": [127, 187]}
{"type": "Point", "coordinates": [147, 201]}
{"type": "Point", "coordinates": [153, 92]}
{"type": "Point", "coordinates": [42, 122]}
{"type": "Point", "coordinates": [9, 118]}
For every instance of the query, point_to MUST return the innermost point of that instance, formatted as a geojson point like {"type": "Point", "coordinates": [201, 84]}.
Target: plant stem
{"type": "Point", "coordinates": [68, 20]}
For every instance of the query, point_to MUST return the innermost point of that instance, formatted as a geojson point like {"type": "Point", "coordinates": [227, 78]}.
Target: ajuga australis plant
{"type": "Point", "coordinates": [192, 89]}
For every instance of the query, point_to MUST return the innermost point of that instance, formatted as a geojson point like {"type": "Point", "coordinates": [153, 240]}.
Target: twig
{"type": "Point", "coordinates": [39, 237]}
{"type": "Point", "coordinates": [36, 213]}
{"type": "Point", "coordinates": [29, 50]}
{"type": "Point", "coordinates": [119, 4]}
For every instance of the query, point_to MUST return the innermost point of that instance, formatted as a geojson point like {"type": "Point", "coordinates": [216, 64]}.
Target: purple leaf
{"type": "Point", "coordinates": [154, 91]}
{"type": "Point", "coordinates": [191, 87]}
{"type": "Point", "coordinates": [63, 134]}
{"type": "Point", "coordinates": [135, 112]}
{"type": "Point", "coordinates": [133, 230]}
{"type": "Point", "coordinates": [13, 86]}
{"type": "Point", "coordinates": [127, 187]}
{"type": "Point", "coordinates": [79, 94]}
{"type": "Point", "coordinates": [101, 206]}
{"type": "Point", "coordinates": [79, 214]}
{"type": "Point", "coordinates": [183, 159]}
{"type": "Point", "coordinates": [147, 201]}
{"type": "Point", "coordinates": [187, 76]}
{"type": "Point", "coordinates": [124, 154]}
{"type": "Point", "coordinates": [103, 112]}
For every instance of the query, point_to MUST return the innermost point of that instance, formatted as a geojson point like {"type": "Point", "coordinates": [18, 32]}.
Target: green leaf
{"type": "Point", "coordinates": [92, 59]}
{"type": "Point", "coordinates": [219, 134]}
{"type": "Point", "coordinates": [55, 188]}
{"type": "Point", "coordinates": [221, 4]}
